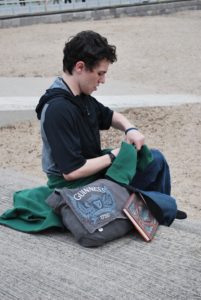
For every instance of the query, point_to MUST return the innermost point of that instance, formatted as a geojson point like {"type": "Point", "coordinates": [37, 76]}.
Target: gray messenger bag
{"type": "Point", "coordinates": [93, 213]}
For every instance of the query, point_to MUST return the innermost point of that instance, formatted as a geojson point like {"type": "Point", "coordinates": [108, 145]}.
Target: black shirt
{"type": "Point", "coordinates": [71, 127]}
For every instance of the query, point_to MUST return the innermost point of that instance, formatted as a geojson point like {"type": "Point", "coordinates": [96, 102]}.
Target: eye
{"type": "Point", "coordinates": [101, 73]}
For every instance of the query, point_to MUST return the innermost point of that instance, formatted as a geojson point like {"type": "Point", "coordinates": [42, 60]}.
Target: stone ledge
{"type": "Point", "coordinates": [148, 9]}
{"type": "Point", "coordinates": [52, 265]}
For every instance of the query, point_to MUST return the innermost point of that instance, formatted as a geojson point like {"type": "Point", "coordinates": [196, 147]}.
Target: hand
{"type": "Point", "coordinates": [136, 138]}
{"type": "Point", "coordinates": [115, 151]}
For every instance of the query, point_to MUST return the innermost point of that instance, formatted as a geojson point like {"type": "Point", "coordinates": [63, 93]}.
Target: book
{"type": "Point", "coordinates": [139, 214]}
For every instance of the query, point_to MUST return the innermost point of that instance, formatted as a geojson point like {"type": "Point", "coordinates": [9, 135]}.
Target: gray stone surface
{"type": "Point", "coordinates": [19, 97]}
{"type": "Point", "coordinates": [9, 118]}
{"type": "Point", "coordinates": [99, 13]}
{"type": "Point", "coordinates": [52, 266]}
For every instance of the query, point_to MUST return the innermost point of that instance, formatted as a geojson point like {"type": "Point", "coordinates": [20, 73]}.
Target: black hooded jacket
{"type": "Point", "coordinates": [70, 128]}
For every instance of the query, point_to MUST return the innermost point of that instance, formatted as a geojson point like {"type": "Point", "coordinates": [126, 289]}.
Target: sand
{"type": "Point", "coordinates": [158, 55]}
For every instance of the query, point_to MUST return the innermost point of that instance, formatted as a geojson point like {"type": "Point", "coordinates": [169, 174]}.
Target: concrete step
{"type": "Point", "coordinates": [52, 265]}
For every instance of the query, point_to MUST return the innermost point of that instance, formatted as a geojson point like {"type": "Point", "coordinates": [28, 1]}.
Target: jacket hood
{"type": "Point", "coordinates": [56, 93]}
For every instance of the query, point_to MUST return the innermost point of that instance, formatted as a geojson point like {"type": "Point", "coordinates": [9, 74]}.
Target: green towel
{"type": "Point", "coordinates": [128, 160]}
{"type": "Point", "coordinates": [144, 158]}
{"type": "Point", "coordinates": [59, 182]}
{"type": "Point", "coordinates": [30, 213]}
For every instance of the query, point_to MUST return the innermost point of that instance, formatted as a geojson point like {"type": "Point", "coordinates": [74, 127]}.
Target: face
{"type": "Point", "coordinates": [90, 80]}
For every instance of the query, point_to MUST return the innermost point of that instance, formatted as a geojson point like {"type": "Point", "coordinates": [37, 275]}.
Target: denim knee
{"type": "Point", "coordinates": [156, 177]}
{"type": "Point", "coordinates": [159, 158]}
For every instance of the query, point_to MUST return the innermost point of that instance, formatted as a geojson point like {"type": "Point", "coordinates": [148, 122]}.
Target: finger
{"type": "Point", "coordinates": [138, 146]}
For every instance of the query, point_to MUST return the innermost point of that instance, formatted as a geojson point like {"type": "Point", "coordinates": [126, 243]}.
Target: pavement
{"type": "Point", "coordinates": [51, 265]}
{"type": "Point", "coordinates": [19, 96]}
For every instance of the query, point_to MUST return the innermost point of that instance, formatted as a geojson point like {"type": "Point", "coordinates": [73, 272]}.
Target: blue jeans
{"type": "Point", "coordinates": [156, 177]}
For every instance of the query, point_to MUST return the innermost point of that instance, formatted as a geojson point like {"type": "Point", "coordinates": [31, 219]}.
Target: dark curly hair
{"type": "Point", "coordinates": [89, 47]}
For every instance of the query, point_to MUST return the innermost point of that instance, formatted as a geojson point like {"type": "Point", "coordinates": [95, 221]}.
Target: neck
{"type": "Point", "coordinates": [71, 82]}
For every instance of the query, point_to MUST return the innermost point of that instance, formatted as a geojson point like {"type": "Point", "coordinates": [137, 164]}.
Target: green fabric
{"type": "Point", "coordinates": [30, 213]}
{"type": "Point", "coordinates": [128, 160]}
{"type": "Point", "coordinates": [60, 182]}
{"type": "Point", "coordinates": [144, 158]}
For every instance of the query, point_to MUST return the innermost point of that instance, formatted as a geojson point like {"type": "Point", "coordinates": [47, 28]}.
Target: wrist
{"type": "Point", "coordinates": [129, 129]}
{"type": "Point", "coordinates": [112, 157]}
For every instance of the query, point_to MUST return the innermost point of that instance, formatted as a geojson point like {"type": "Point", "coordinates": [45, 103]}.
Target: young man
{"type": "Point", "coordinates": [72, 156]}
{"type": "Point", "coordinates": [71, 120]}
{"type": "Point", "coordinates": [70, 132]}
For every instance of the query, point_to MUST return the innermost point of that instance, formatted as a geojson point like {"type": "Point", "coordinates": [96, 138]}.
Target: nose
{"type": "Point", "coordinates": [102, 79]}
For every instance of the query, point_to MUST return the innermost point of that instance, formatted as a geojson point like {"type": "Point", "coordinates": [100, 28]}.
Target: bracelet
{"type": "Point", "coordinates": [112, 156]}
{"type": "Point", "coordinates": [131, 128]}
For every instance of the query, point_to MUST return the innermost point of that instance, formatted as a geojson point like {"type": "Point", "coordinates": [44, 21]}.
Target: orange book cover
{"type": "Point", "coordinates": [139, 214]}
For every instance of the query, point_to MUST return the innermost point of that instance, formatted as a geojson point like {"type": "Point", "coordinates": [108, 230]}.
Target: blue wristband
{"type": "Point", "coordinates": [131, 128]}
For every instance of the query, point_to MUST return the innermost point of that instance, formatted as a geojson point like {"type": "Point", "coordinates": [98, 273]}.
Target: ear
{"type": "Point", "coordinates": [79, 66]}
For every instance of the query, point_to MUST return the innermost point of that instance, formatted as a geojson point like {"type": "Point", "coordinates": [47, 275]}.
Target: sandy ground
{"type": "Point", "coordinates": [156, 54]}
